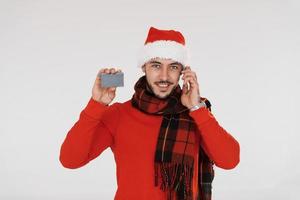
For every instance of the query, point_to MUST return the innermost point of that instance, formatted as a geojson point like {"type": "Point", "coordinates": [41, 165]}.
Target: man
{"type": "Point", "coordinates": [165, 139]}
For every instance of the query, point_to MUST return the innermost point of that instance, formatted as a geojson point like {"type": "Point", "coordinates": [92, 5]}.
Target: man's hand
{"type": "Point", "coordinates": [101, 94]}
{"type": "Point", "coordinates": [190, 98]}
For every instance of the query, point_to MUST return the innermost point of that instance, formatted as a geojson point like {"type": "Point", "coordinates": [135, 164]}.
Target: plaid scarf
{"type": "Point", "coordinates": [174, 155]}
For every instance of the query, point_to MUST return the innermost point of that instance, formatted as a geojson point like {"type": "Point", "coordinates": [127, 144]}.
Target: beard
{"type": "Point", "coordinates": [150, 89]}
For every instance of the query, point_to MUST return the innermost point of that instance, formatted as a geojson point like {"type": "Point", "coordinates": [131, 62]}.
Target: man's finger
{"type": "Point", "coordinates": [189, 76]}
{"type": "Point", "coordinates": [192, 81]}
{"type": "Point", "coordinates": [111, 70]}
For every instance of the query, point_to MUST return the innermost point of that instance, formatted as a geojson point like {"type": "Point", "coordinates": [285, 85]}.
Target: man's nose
{"type": "Point", "coordinates": [164, 73]}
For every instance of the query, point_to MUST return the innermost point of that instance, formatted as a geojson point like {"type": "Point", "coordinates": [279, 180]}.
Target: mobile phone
{"type": "Point", "coordinates": [112, 80]}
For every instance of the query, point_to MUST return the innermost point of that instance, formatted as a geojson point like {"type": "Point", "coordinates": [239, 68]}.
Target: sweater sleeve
{"type": "Point", "coordinates": [218, 144]}
{"type": "Point", "coordinates": [90, 135]}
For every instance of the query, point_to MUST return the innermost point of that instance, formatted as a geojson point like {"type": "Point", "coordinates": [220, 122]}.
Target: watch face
{"type": "Point", "coordinates": [203, 104]}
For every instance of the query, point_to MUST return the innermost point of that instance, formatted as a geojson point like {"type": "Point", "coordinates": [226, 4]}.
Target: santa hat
{"type": "Point", "coordinates": [168, 44]}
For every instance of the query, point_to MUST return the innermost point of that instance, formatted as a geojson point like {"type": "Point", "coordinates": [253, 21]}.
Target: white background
{"type": "Point", "coordinates": [245, 54]}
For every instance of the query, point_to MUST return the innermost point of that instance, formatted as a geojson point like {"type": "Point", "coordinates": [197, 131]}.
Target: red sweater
{"type": "Point", "coordinates": [132, 136]}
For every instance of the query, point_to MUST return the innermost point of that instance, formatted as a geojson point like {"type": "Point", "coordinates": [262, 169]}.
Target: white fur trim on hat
{"type": "Point", "coordinates": [167, 49]}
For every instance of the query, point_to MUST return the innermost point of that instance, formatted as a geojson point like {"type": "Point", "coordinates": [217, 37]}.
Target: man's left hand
{"type": "Point", "coordinates": [190, 98]}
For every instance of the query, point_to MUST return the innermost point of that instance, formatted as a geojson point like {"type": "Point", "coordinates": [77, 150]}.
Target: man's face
{"type": "Point", "coordinates": [162, 76]}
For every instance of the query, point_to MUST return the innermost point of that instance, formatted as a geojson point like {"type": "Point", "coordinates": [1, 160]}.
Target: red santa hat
{"type": "Point", "coordinates": [168, 44]}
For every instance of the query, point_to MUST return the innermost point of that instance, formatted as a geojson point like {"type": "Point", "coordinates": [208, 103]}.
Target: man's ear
{"type": "Point", "coordinates": [143, 68]}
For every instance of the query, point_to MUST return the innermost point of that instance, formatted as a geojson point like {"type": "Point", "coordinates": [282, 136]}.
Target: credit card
{"type": "Point", "coordinates": [112, 80]}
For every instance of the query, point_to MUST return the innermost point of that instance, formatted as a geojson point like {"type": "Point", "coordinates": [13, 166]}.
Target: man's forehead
{"type": "Point", "coordinates": [162, 60]}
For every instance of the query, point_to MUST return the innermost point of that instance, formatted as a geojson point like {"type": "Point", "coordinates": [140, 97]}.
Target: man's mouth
{"type": "Point", "coordinates": [163, 85]}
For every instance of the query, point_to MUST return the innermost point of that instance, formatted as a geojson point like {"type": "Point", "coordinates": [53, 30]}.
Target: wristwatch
{"type": "Point", "coordinates": [200, 105]}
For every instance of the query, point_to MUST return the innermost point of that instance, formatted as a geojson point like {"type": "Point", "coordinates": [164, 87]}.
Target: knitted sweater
{"type": "Point", "coordinates": [132, 137]}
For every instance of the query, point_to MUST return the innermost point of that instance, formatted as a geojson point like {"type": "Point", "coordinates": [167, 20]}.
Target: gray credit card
{"type": "Point", "coordinates": [112, 80]}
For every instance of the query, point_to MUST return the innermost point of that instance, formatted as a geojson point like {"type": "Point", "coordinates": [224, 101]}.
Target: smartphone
{"type": "Point", "coordinates": [112, 80]}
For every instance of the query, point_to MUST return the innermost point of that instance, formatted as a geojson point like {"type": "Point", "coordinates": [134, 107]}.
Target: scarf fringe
{"type": "Point", "coordinates": [174, 178]}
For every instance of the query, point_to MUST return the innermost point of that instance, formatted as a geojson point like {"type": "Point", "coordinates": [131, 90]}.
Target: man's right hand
{"type": "Point", "coordinates": [101, 94]}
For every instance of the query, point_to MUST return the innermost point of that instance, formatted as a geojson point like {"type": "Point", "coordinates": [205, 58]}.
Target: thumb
{"type": "Point", "coordinates": [112, 89]}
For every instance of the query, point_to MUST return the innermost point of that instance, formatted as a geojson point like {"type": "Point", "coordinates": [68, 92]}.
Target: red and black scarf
{"type": "Point", "coordinates": [174, 155]}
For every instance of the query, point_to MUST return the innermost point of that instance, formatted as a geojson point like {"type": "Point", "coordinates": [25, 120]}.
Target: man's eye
{"type": "Point", "coordinates": [155, 66]}
{"type": "Point", "coordinates": [174, 67]}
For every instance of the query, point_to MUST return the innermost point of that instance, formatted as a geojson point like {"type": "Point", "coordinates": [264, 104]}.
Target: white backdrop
{"type": "Point", "coordinates": [245, 53]}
